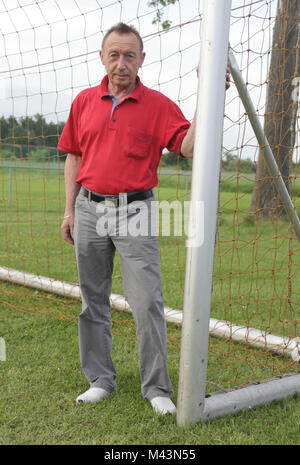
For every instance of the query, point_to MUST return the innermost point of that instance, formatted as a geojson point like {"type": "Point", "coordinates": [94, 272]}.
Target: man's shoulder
{"type": "Point", "coordinates": [87, 93]}
{"type": "Point", "coordinates": [155, 94]}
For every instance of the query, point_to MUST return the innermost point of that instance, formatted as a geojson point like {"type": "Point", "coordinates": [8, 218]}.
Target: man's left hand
{"type": "Point", "coordinates": [228, 74]}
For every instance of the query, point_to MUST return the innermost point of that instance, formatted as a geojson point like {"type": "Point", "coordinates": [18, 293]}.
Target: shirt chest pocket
{"type": "Point", "coordinates": [138, 143]}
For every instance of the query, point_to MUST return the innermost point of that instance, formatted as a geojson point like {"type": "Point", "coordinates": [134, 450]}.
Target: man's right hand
{"type": "Point", "coordinates": [72, 168]}
{"type": "Point", "coordinates": [67, 229]}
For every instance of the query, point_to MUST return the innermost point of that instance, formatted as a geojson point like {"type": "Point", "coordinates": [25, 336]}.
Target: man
{"type": "Point", "coordinates": [114, 138]}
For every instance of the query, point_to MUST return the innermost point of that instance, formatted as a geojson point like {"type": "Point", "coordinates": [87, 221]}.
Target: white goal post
{"type": "Point", "coordinates": [192, 402]}
{"type": "Point", "coordinates": [204, 188]}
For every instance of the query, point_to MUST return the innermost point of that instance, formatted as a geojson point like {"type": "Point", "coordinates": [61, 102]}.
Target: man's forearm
{"type": "Point", "coordinates": [187, 146]}
{"type": "Point", "coordinates": [72, 167]}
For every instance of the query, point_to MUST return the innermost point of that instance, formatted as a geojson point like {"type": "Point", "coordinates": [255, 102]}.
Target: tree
{"type": "Point", "coordinates": [27, 133]}
{"type": "Point", "coordinates": [281, 108]}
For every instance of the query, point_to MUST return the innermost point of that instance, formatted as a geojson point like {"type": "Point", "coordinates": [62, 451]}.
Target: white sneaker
{"type": "Point", "coordinates": [92, 395]}
{"type": "Point", "coordinates": [163, 405]}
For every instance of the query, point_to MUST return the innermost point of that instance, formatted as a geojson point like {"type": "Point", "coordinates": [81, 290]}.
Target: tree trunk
{"type": "Point", "coordinates": [281, 108]}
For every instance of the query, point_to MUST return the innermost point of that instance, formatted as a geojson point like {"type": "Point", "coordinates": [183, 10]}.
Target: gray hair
{"type": "Point", "coordinates": [122, 28]}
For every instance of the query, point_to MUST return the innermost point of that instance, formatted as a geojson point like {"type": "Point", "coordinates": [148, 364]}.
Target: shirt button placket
{"type": "Point", "coordinates": [114, 115]}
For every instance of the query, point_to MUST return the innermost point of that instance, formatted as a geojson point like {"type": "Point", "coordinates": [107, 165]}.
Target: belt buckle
{"type": "Point", "coordinates": [111, 201]}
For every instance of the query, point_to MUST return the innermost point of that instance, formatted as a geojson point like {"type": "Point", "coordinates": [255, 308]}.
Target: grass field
{"type": "Point", "coordinates": [256, 284]}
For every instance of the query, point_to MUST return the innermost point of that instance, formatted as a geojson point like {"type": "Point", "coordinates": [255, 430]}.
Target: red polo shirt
{"type": "Point", "coordinates": [121, 150]}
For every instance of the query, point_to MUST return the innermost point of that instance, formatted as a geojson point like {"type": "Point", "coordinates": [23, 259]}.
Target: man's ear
{"type": "Point", "coordinates": [101, 57]}
{"type": "Point", "coordinates": [143, 58]}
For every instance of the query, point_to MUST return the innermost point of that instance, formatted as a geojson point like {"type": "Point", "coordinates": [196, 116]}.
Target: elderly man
{"type": "Point", "coordinates": [114, 138]}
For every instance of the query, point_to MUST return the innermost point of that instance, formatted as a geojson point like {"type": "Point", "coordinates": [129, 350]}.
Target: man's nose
{"type": "Point", "coordinates": [121, 62]}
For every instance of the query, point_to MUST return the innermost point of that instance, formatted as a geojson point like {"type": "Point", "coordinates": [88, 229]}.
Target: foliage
{"type": "Point", "coordinates": [27, 132]}
{"type": "Point", "coordinates": [159, 14]}
{"type": "Point", "coordinates": [29, 137]}
{"type": "Point", "coordinates": [170, 159]}
{"type": "Point", "coordinates": [232, 162]}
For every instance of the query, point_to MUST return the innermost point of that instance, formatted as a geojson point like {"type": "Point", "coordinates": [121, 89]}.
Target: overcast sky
{"type": "Point", "coordinates": [50, 52]}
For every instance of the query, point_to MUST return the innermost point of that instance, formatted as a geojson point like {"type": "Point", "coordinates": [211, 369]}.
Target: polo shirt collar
{"type": "Point", "coordinates": [136, 94]}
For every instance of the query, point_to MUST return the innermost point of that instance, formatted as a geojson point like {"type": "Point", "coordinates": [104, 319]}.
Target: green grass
{"type": "Point", "coordinates": [42, 377]}
{"type": "Point", "coordinates": [256, 284]}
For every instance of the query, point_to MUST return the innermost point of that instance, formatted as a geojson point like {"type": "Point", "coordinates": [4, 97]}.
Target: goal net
{"type": "Point", "coordinates": [49, 53]}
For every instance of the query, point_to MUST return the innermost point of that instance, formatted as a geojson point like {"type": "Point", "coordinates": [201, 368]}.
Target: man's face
{"type": "Point", "coordinates": [122, 58]}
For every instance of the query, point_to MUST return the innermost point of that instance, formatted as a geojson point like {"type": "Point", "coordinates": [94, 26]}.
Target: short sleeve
{"type": "Point", "coordinates": [177, 127]}
{"type": "Point", "coordinates": [69, 139]}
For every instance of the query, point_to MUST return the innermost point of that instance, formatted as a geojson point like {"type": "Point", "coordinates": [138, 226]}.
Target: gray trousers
{"type": "Point", "coordinates": [97, 236]}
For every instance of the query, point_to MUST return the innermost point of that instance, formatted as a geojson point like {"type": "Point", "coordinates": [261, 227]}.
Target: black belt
{"type": "Point", "coordinates": [115, 199]}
